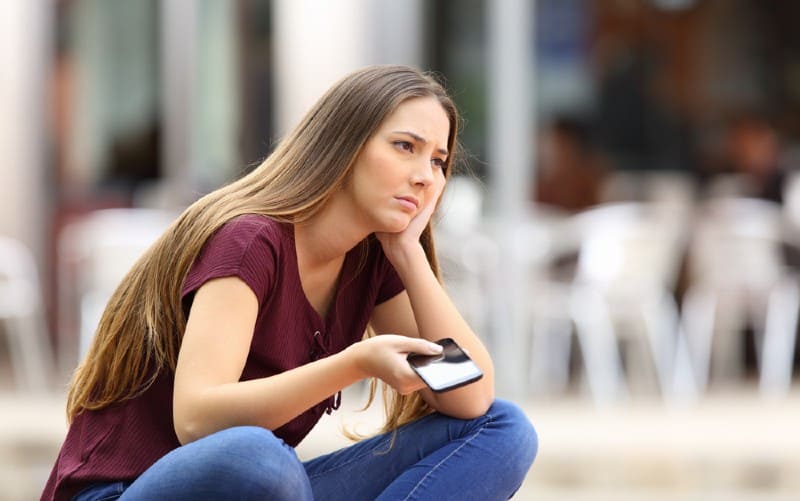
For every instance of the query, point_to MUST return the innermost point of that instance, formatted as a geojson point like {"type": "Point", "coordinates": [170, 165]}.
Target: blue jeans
{"type": "Point", "coordinates": [436, 457]}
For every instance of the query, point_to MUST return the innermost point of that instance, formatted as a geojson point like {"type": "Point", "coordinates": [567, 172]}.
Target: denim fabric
{"type": "Point", "coordinates": [436, 457]}
{"type": "Point", "coordinates": [102, 492]}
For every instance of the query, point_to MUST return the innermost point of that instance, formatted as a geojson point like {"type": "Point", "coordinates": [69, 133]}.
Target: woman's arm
{"type": "Point", "coordinates": [425, 310]}
{"type": "Point", "coordinates": [208, 395]}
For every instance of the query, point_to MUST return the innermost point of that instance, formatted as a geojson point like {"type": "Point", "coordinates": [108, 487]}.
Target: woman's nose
{"type": "Point", "coordinates": [423, 174]}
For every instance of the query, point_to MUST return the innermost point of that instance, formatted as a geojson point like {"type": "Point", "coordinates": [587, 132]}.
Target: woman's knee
{"type": "Point", "coordinates": [252, 460]}
{"type": "Point", "coordinates": [518, 431]}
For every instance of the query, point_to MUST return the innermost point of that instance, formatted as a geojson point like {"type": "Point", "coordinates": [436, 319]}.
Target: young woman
{"type": "Point", "coordinates": [237, 330]}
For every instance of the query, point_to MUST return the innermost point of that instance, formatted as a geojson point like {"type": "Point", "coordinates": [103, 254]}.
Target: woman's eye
{"type": "Point", "coordinates": [404, 145]}
{"type": "Point", "coordinates": [438, 162]}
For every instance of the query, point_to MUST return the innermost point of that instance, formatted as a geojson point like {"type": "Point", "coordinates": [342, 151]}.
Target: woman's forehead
{"type": "Point", "coordinates": [424, 117]}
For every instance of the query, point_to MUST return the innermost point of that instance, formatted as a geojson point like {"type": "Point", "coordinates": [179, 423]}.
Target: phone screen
{"type": "Point", "coordinates": [449, 370]}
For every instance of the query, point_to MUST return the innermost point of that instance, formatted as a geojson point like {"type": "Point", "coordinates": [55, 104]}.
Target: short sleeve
{"type": "Point", "coordinates": [390, 285]}
{"type": "Point", "coordinates": [245, 247]}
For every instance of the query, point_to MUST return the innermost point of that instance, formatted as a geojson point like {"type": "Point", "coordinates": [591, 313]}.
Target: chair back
{"type": "Point", "coordinates": [19, 279]}
{"type": "Point", "coordinates": [95, 254]}
{"type": "Point", "coordinates": [630, 245]}
{"type": "Point", "coordinates": [737, 242]}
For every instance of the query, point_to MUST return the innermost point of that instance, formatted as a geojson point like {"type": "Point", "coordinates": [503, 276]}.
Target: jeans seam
{"type": "Point", "coordinates": [360, 456]}
{"type": "Point", "coordinates": [342, 465]}
{"type": "Point", "coordinates": [118, 486]}
{"type": "Point", "coordinates": [437, 465]}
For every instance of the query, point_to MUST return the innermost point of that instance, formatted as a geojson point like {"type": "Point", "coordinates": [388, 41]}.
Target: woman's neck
{"type": "Point", "coordinates": [326, 237]}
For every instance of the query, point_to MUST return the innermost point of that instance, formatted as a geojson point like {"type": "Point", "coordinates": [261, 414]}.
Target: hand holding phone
{"type": "Point", "coordinates": [449, 370]}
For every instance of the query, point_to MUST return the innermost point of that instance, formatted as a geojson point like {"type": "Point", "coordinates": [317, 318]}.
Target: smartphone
{"type": "Point", "coordinates": [448, 370]}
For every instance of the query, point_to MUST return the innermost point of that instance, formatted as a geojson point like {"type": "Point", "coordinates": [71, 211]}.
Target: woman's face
{"type": "Point", "coordinates": [401, 167]}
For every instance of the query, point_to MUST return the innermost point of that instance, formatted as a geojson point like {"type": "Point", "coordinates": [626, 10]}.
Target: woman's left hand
{"type": "Point", "coordinates": [393, 243]}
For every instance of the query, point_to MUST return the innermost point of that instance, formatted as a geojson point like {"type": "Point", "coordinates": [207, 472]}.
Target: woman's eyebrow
{"type": "Point", "coordinates": [420, 139]}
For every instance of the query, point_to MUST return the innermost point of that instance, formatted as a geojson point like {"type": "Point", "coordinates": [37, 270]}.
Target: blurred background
{"type": "Point", "coordinates": [622, 231]}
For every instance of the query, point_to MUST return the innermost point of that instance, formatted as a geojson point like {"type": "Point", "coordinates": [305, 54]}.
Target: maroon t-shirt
{"type": "Point", "coordinates": [121, 441]}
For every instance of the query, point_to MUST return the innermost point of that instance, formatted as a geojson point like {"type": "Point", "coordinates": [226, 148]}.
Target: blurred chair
{"type": "Point", "coordinates": [550, 253]}
{"type": "Point", "coordinates": [467, 255]}
{"type": "Point", "coordinates": [620, 299]}
{"type": "Point", "coordinates": [468, 265]}
{"type": "Point", "coordinates": [738, 278]}
{"type": "Point", "coordinates": [95, 253]}
{"type": "Point", "coordinates": [22, 316]}
{"type": "Point", "coordinates": [664, 187]}
{"type": "Point", "coordinates": [791, 202]}
{"type": "Point", "coordinates": [461, 206]}
{"type": "Point", "coordinates": [727, 185]}
{"type": "Point", "coordinates": [780, 338]}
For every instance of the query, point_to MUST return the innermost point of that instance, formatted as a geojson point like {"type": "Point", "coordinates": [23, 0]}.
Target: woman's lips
{"type": "Point", "coordinates": [410, 203]}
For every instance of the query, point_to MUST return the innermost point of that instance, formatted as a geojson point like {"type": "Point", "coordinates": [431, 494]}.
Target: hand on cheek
{"type": "Point", "coordinates": [392, 242]}
{"type": "Point", "coordinates": [423, 216]}
{"type": "Point", "coordinates": [432, 198]}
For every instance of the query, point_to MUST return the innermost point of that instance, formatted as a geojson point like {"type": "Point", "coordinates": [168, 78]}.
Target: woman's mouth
{"type": "Point", "coordinates": [409, 202]}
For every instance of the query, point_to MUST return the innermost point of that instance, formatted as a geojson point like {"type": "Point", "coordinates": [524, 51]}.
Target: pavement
{"type": "Point", "coordinates": [732, 446]}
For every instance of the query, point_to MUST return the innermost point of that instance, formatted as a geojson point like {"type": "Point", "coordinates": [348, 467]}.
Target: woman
{"type": "Point", "coordinates": [233, 334]}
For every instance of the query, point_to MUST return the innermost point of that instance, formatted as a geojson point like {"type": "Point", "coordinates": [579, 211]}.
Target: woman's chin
{"type": "Point", "coordinates": [396, 225]}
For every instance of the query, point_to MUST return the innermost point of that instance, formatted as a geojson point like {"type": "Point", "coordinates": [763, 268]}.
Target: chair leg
{"type": "Point", "coordinates": [683, 387]}
{"type": "Point", "coordinates": [661, 321]}
{"type": "Point", "coordinates": [780, 336]}
{"type": "Point", "coordinates": [598, 344]}
{"type": "Point", "coordinates": [550, 349]}
{"type": "Point", "coordinates": [697, 324]}
{"type": "Point", "coordinates": [671, 352]}
{"type": "Point", "coordinates": [31, 354]}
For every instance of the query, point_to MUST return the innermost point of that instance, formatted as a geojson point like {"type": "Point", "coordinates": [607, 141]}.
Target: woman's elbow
{"type": "Point", "coordinates": [481, 406]}
{"type": "Point", "coordinates": [473, 406]}
{"type": "Point", "coordinates": [484, 398]}
{"type": "Point", "coordinates": [186, 431]}
{"type": "Point", "coordinates": [187, 424]}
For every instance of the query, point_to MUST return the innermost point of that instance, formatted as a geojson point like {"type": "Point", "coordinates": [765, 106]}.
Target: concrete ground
{"type": "Point", "coordinates": [731, 446]}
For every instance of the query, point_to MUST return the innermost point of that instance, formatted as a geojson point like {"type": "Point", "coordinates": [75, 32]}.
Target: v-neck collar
{"type": "Point", "coordinates": [323, 324]}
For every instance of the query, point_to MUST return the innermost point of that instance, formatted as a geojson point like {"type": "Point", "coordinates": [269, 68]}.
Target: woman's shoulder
{"type": "Point", "coordinates": [250, 223]}
{"type": "Point", "coordinates": [246, 235]}
{"type": "Point", "coordinates": [249, 246]}
{"type": "Point", "coordinates": [248, 229]}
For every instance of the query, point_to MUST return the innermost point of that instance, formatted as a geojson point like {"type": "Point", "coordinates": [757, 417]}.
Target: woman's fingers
{"type": "Point", "coordinates": [421, 346]}
{"type": "Point", "coordinates": [412, 232]}
{"type": "Point", "coordinates": [384, 357]}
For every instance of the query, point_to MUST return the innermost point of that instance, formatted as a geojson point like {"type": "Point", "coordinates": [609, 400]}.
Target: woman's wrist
{"type": "Point", "coordinates": [355, 359]}
{"type": "Point", "coordinates": [407, 258]}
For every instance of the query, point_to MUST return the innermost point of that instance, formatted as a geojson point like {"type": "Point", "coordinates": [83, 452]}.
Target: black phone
{"type": "Point", "coordinates": [450, 369]}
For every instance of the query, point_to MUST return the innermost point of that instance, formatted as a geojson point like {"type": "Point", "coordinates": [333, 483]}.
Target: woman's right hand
{"type": "Point", "coordinates": [384, 357]}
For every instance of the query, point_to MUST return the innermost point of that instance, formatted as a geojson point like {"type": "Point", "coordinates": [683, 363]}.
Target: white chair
{"type": "Point", "coordinates": [467, 266]}
{"type": "Point", "coordinates": [21, 311]}
{"type": "Point", "coordinates": [738, 278]}
{"type": "Point", "coordinates": [467, 256]}
{"type": "Point", "coordinates": [95, 253]}
{"type": "Point", "coordinates": [549, 248]}
{"type": "Point", "coordinates": [791, 203]}
{"type": "Point", "coordinates": [780, 337]}
{"type": "Point", "coordinates": [628, 261]}
{"type": "Point", "coordinates": [461, 206]}
{"type": "Point", "coordinates": [663, 187]}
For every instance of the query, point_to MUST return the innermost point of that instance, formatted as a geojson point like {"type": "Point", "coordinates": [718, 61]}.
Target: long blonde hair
{"type": "Point", "coordinates": [141, 329]}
